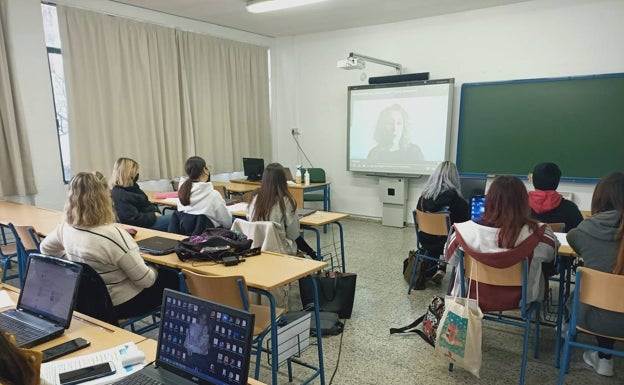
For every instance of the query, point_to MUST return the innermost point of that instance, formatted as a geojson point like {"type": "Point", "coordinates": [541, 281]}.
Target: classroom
{"type": "Point", "coordinates": [502, 40]}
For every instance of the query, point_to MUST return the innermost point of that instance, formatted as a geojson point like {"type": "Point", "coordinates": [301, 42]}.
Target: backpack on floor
{"type": "Point", "coordinates": [429, 320]}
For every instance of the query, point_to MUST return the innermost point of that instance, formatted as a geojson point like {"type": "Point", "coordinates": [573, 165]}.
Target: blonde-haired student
{"type": "Point", "coordinates": [88, 235]}
{"type": "Point", "coordinates": [131, 204]}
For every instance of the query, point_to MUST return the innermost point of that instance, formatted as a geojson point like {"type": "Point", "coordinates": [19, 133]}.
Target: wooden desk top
{"type": "Point", "coordinates": [101, 335]}
{"type": "Point", "coordinates": [42, 220]}
{"type": "Point", "coordinates": [318, 218]}
{"type": "Point", "coordinates": [290, 185]}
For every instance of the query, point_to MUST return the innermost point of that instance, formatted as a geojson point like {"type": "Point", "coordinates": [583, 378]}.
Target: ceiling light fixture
{"type": "Point", "coordinates": [260, 6]}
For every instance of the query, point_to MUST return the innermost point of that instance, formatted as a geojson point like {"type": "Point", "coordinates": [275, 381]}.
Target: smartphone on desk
{"type": "Point", "coordinates": [65, 348]}
{"type": "Point", "coordinates": [87, 373]}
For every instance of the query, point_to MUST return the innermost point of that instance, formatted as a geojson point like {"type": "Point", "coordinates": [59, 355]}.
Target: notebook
{"type": "Point", "coordinates": [477, 207]}
{"type": "Point", "coordinates": [305, 212]}
{"type": "Point", "coordinates": [193, 351]}
{"type": "Point", "coordinates": [46, 302]}
{"type": "Point", "coordinates": [157, 245]}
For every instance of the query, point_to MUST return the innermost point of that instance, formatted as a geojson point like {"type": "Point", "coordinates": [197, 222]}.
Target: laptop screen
{"type": "Point", "coordinates": [477, 207]}
{"type": "Point", "coordinates": [471, 186]}
{"type": "Point", "coordinates": [204, 341]}
{"type": "Point", "coordinates": [50, 288]}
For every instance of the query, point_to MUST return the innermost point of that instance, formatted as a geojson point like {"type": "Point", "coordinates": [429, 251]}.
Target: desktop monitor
{"type": "Point", "coordinates": [472, 186]}
{"type": "Point", "coordinates": [253, 168]}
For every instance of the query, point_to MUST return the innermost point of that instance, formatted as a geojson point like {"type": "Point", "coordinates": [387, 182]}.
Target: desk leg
{"type": "Point", "coordinates": [319, 337]}
{"type": "Point", "coordinates": [565, 276]}
{"type": "Point", "coordinates": [274, 363]}
{"type": "Point", "coordinates": [318, 241]}
{"type": "Point", "coordinates": [342, 253]}
{"type": "Point", "coordinates": [326, 203]}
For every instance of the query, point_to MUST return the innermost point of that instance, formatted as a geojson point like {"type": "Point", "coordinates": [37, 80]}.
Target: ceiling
{"type": "Point", "coordinates": [326, 16]}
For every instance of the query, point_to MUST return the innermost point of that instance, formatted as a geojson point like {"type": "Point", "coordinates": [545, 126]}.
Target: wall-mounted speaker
{"type": "Point", "coordinates": [399, 78]}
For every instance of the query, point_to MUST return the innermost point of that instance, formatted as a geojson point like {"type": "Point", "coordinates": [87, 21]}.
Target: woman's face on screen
{"type": "Point", "coordinates": [394, 127]}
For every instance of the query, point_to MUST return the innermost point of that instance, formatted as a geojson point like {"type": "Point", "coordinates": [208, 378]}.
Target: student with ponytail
{"type": "Point", "coordinates": [598, 240]}
{"type": "Point", "coordinates": [198, 197]}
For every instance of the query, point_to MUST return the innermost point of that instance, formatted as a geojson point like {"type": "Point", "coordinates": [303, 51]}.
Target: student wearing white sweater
{"type": "Point", "coordinates": [198, 197]}
{"type": "Point", "coordinates": [88, 235]}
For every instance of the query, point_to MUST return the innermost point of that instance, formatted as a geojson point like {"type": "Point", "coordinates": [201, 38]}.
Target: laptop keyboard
{"type": "Point", "coordinates": [22, 332]}
{"type": "Point", "coordinates": [138, 378]}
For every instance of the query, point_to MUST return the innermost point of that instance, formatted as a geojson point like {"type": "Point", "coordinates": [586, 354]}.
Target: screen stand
{"type": "Point", "coordinates": [393, 193]}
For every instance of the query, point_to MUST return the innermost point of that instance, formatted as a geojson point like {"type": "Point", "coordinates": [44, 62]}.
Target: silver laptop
{"type": "Point", "coordinates": [157, 245]}
{"type": "Point", "coordinates": [46, 302]}
{"type": "Point", "coordinates": [199, 342]}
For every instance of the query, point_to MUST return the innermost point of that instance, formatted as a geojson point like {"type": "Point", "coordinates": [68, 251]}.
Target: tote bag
{"type": "Point", "coordinates": [459, 332]}
{"type": "Point", "coordinates": [336, 292]}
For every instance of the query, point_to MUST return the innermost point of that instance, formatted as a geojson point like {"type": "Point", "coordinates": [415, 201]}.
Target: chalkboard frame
{"type": "Point", "coordinates": [465, 163]}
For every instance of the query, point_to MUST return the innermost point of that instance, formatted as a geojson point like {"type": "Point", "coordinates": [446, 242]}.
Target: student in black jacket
{"type": "Point", "coordinates": [132, 206]}
{"type": "Point", "coordinates": [547, 205]}
{"type": "Point", "coordinates": [442, 193]}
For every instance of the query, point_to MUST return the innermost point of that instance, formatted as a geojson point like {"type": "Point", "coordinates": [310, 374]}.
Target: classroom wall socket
{"type": "Point", "coordinates": [295, 131]}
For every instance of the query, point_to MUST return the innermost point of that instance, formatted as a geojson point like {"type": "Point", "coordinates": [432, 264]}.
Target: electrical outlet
{"type": "Point", "coordinates": [295, 131]}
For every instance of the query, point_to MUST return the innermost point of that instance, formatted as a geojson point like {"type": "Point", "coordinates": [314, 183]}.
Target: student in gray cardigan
{"type": "Point", "coordinates": [597, 240]}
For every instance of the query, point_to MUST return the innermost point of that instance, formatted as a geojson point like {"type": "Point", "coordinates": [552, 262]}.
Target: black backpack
{"type": "Point", "coordinates": [213, 245]}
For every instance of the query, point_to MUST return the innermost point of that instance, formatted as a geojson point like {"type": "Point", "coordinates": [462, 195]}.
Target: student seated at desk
{"type": "Point", "coordinates": [442, 192]}
{"type": "Point", "coordinates": [18, 366]}
{"type": "Point", "coordinates": [598, 240]}
{"type": "Point", "coordinates": [504, 231]}
{"type": "Point", "coordinates": [547, 205]}
{"type": "Point", "coordinates": [88, 235]}
{"type": "Point", "coordinates": [198, 197]}
{"type": "Point", "coordinates": [131, 204]}
{"type": "Point", "coordinates": [274, 202]}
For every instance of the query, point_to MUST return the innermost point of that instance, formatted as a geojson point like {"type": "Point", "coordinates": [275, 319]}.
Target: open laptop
{"type": "Point", "coordinates": [46, 302]}
{"type": "Point", "coordinates": [472, 186]}
{"type": "Point", "coordinates": [221, 354]}
{"type": "Point", "coordinates": [477, 207]}
{"type": "Point", "coordinates": [304, 212]}
{"type": "Point", "coordinates": [157, 245]}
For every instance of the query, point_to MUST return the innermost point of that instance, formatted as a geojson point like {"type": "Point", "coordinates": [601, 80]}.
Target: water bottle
{"type": "Point", "coordinates": [298, 175]}
{"type": "Point", "coordinates": [306, 178]}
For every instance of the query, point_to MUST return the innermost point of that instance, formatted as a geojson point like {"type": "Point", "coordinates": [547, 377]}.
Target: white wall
{"type": "Point", "coordinates": [27, 47]}
{"type": "Point", "coordinates": [544, 38]}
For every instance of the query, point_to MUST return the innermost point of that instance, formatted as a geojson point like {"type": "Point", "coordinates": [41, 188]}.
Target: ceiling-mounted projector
{"type": "Point", "coordinates": [351, 63]}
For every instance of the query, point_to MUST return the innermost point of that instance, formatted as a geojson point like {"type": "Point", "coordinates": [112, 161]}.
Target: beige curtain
{"type": "Point", "coordinates": [16, 172]}
{"type": "Point", "coordinates": [159, 95]}
{"type": "Point", "coordinates": [225, 99]}
{"type": "Point", "coordinates": [122, 93]}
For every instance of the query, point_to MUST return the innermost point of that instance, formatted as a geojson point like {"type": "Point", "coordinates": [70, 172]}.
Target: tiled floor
{"type": "Point", "coordinates": [366, 354]}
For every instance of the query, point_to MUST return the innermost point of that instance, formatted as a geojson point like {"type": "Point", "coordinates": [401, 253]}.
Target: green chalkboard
{"type": "Point", "coordinates": [576, 122]}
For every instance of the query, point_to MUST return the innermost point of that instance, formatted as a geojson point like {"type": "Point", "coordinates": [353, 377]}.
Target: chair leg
{"type": "Point", "coordinates": [564, 365]}
{"type": "Point", "coordinates": [537, 331]}
{"type": "Point", "coordinates": [525, 347]}
{"type": "Point", "coordinates": [413, 275]}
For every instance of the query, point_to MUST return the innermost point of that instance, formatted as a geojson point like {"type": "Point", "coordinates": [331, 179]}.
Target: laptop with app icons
{"type": "Point", "coordinates": [199, 342]}
{"type": "Point", "coordinates": [46, 302]}
{"type": "Point", "coordinates": [477, 207]}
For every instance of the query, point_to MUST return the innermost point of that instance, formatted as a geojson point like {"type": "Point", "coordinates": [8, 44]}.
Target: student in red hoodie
{"type": "Point", "coordinates": [547, 205]}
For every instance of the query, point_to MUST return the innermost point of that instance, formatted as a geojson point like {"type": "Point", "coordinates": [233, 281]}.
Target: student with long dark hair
{"type": "Point", "coordinates": [505, 231]}
{"type": "Point", "coordinates": [274, 202]}
{"type": "Point", "coordinates": [598, 240]}
{"type": "Point", "coordinates": [198, 196]}
{"type": "Point", "coordinates": [18, 366]}
{"type": "Point", "coordinates": [442, 192]}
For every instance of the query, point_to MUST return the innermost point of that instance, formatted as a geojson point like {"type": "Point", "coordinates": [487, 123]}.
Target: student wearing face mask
{"type": "Point", "coordinates": [132, 206]}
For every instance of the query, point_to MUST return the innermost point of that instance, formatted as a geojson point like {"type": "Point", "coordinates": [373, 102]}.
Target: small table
{"type": "Point", "coordinates": [297, 191]}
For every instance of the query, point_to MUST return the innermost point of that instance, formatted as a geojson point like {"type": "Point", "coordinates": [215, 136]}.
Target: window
{"type": "Point", "coordinates": [55, 61]}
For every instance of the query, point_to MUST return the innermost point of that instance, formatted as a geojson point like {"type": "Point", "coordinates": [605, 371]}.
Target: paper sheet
{"type": "Point", "coordinates": [5, 300]}
{"type": "Point", "coordinates": [126, 358]}
{"type": "Point", "coordinates": [242, 206]}
{"type": "Point", "coordinates": [561, 237]}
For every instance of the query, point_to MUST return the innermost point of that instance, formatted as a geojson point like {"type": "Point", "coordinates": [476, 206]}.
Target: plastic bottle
{"type": "Point", "coordinates": [298, 175]}
{"type": "Point", "coordinates": [306, 177]}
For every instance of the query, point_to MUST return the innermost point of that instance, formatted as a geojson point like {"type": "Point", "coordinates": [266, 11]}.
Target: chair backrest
{"type": "Point", "coordinates": [227, 290]}
{"type": "Point", "coordinates": [265, 234]}
{"type": "Point", "coordinates": [557, 227]}
{"type": "Point", "coordinates": [506, 287]}
{"type": "Point", "coordinates": [431, 223]}
{"type": "Point", "coordinates": [188, 224]}
{"type": "Point", "coordinates": [28, 237]}
{"type": "Point", "coordinates": [317, 175]}
{"type": "Point", "coordinates": [93, 297]}
{"type": "Point", "coordinates": [593, 286]}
